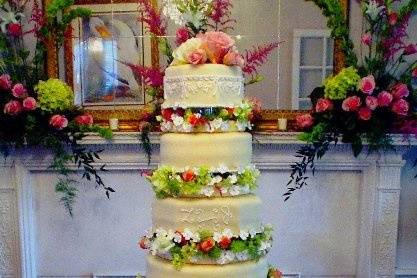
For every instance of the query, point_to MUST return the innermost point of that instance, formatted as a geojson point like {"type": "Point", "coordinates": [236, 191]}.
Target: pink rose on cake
{"type": "Point", "coordinates": [191, 49]}
{"type": "Point", "coordinates": [197, 57]}
{"type": "Point", "coordinates": [217, 45]}
{"type": "Point", "coordinates": [233, 58]}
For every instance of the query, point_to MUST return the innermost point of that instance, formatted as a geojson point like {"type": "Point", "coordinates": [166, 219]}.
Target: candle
{"type": "Point", "coordinates": [114, 123]}
{"type": "Point", "coordinates": [282, 124]}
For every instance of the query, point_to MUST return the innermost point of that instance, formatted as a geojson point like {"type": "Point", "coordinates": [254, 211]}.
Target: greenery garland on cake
{"type": "Point", "coordinates": [368, 101]}
{"type": "Point", "coordinates": [37, 110]}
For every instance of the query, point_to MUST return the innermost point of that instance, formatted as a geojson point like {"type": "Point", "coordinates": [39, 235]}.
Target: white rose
{"type": "Point", "coordinates": [181, 53]}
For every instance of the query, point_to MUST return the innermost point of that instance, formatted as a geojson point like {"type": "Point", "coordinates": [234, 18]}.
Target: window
{"type": "Point", "coordinates": [312, 63]}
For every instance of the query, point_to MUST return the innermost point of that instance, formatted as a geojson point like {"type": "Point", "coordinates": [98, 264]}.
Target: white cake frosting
{"type": "Point", "coordinates": [232, 149]}
{"type": "Point", "coordinates": [160, 268]}
{"type": "Point", "coordinates": [207, 85]}
{"type": "Point", "coordinates": [217, 214]}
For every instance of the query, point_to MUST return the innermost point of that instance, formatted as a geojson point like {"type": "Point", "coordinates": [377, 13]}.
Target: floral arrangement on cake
{"type": "Point", "coordinates": [365, 102]}
{"type": "Point", "coordinates": [200, 38]}
{"type": "Point", "coordinates": [203, 181]}
{"type": "Point", "coordinates": [36, 110]}
{"type": "Point", "coordinates": [204, 246]}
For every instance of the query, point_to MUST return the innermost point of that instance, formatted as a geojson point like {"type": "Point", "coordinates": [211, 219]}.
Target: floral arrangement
{"type": "Point", "coordinates": [35, 110]}
{"type": "Point", "coordinates": [364, 103]}
{"type": "Point", "coordinates": [203, 246]}
{"type": "Point", "coordinates": [203, 181]}
{"type": "Point", "coordinates": [214, 119]}
{"type": "Point", "coordinates": [201, 38]}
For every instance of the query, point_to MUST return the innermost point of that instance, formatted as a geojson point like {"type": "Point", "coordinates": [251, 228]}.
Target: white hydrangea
{"type": "Point", "coordinates": [216, 123]}
{"type": "Point", "coordinates": [234, 190]}
{"type": "Point", "coordinates": [242, 256]}
{"type": "Point", "coordinates": [177, 238]}
{"type": "Point", "coordinates": [177, 120]}
{"type": "Point", "coordinates": [265, 246]}
{"type": "Point", "coordinates": [222, 169]}
{"type": "Point", "coordinates": [223, 190]}
{"type": "Point", "coordinates": [373, 9]}
{"type": "Point", "coordinates": [166, 126]}
{"type": "Point", "coordinates": [170, 10]}
{"type": "Point", "coordinates": [254, 231]}
{"type": "Point", "coordinates": [207, 191]}
{"type": "Point", "coordinates": [187, 234]}
{"type": "Point", "coordinates": [245, 189]}
{"type": "Point", "coordinates": [186, 127]}
{"type": "Point", "coordinates": [241, 126]}
{"type": "Point", "coordinates": [214, 180]}
{"type": "Point", "coordinates": [225, 126]}
{"type": "Point", "coordinates": [244, 234]}
{"type": "Point", "coordinates": [232, 179]}
{"type": "Point", "coordinates": [226, 257]}
{"type": "Point", "coordinates": [161, 232]}
{"type": "Point", "coordinates": [226, 233]}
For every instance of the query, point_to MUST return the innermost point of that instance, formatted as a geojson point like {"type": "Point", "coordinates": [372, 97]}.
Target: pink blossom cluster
{"type": "Point", "coordinates": [20, 101]}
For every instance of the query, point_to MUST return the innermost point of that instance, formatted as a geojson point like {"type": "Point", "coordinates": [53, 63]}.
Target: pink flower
{"type": "Point", "coordinates": [366, 39]}
{"type": "Point", "coordinates": [58, 121]}
{"type": "Point", "coordinates": [371, 102]}
{"type": "Point", "coordinates": [85, 119]}
{"type": "Point", "coordinates": [29, 103]}
{"type": "Point", "coordinates": [400, 91]}
{"type": "Point", "coordinates": [13, 108]}
{"type": "Point", "coordinates": [323, 105]}
{"type": "Point", "coordinates": [304, 121]}
{"type": "Point", "coordinates": [197, 57]}
{"type": "Point", "coordinates": [5, 82]}
{"type": "Point", "coordinates": [19, 91]}
{"type": "Point", "coordinates": [367, 84]}
{"type": "Point", "coordinates": [182, 35]}
{"type": "Point", "coordinates": [414, 73]}
{"type": "Point", "coordinates": [410, 49]}
{"type": "Point", "coordinates": [217, 44]}
{"type": "Point", "coordinates": [365, 113]}
{"type": "Point", "coordinates": [14, 29]}
{"type": "Point", "coordinates": [351, 103]}
{"type": "Point", "coordinates": [384, 99]}
{"type": "Point", "coordinates": [392, 18]}
{"type": "Point", "coordinates": [400, 107]}
{"type": "Point", "coordinates": [234, 59]}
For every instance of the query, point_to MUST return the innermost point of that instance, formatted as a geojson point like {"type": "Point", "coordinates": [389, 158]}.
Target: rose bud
{"type": "Point", "coordinates": [29, 103]}
{"type": "Point", "coordinates": [183, 241]}
{"type": "Point", "coordinates": [194, 119]}
{"type": "Point", "coordinates": [366, 39]}
{"type": "Point", "coordinates": [400, 91]}
{"type": "Point", "coordinates": [365, 113]}
{"type": "Point", "coordinates": [167, 114]}
{"type": "Point", "coordinates": [14, 29]}
{"type": "Point", "coordinates": [384, 99]}
{"type": "Point", "coordinates": [225, 242]}
{"type": "Point", "coordinates": [144, 243]}
{"type": "Point", "coordinates": [58, 121]}
{"type": "Point", "coordinates": [182, 35]}
{"type": "Point", "coordinates": [85, 119]}
{"type": "Point", "coordinates": [5, 82]}
{"type": "Point", "coordinates": [188, 176]}
{"type": "Point", "coordinates": [19, 91]}
{"type": "Point", "coordinates": [400, 107]}
{"type": "Point", "coordinates": [207, 245]}
{"type": "Point", "coordinates": [233, 59]}
{"type": "Point", "coordinates": [392, 18]}
{"type": "Point", "coordinates": [13, 108]}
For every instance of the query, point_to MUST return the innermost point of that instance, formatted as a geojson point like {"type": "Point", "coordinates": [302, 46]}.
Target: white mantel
{"type": "Point", "coordinates": [355, 202]}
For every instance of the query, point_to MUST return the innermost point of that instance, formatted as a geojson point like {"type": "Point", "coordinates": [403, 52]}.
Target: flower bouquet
{"type": "Point", "coordinates": [35, 110]}
{"type": "Point", "coordinates": [365, 102]}
{"type": "Point", "coordinates": [200, 38]}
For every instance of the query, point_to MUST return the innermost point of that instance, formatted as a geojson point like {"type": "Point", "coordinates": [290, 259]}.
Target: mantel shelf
{"type": "Point", "coordinates": [274, 138]}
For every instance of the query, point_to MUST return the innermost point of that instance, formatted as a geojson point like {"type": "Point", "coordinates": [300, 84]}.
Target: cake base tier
{"type": "Point", "coordinates": [232, 149]}
{"type": "Point", "coordinates": [216, 214]}
{"type": "Point", "coordinates": [160, 268]}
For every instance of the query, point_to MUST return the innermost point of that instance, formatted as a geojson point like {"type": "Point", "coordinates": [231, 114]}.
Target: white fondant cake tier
{"type": "Point", "coordinates": [216, 214]}
{"type": "Point", "coordinates": [233, 149]}
{"type": "Point", "coordinates": [160, 268]}
{"type": "Point", "coordinates": [208, 85]}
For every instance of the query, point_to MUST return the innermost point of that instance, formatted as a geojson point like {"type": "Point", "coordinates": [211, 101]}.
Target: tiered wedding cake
{"type": "Point", "coordinates": [206, 218]}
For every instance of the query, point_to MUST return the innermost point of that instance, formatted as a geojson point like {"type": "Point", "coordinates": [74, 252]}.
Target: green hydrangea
{"type": "Point", "coordinates": [54, 95]}
{"type": "Point", "coordinates": [336, 87]}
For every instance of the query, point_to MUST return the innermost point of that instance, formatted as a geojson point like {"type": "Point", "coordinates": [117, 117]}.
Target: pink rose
{"type": "Point", "coordinates": [5, 82]}
{"type": "Point", "coordinates": [29, 103]}
{"type": "Point", "coordinates": [13, 108]}
{"type": "Point", "coordinates": [58, 121]}
{"type": "Point", "coordinates": [182, 35]}
{"type": "Point", "coordinates": [324, 104]}
{"type": "Point", "coordinates": [392, 18]}
{"type": "Point", "coordinates": [400, 107]}
{"type": "Point", "coordinates": [85, 119]}
{"type": "Point", "coordinates": [197, 57]}
{"type": "Point", "coordinates": [217, 44]}
{"type": "Point", "coordinates": [414, 73]}
{"type": "Point", "coordinates": [367, 84]}
{"type": "Point", "coordinates": [365, 113]}
{"type": "Point", "coordinates": [400, 91]}
{"type": "Point", "coordinates": [384, 99]}
{"type": "Point", "coordinates": [351, 103]}
{"type": "Point", "coordinates": [371, 102]}
{"type": "Point", "coordinates": [14, 29]}
{"type": "Point", "coordinates": [410, 49]}
{"type": "Point", "coordinates": [304, 121]}
{"type": "Point", "coordinates": [366, 39]}
{"type": "Point", "coordinates": [19, 91]}
{"type": "Point", "coordinates": [233, 58]}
